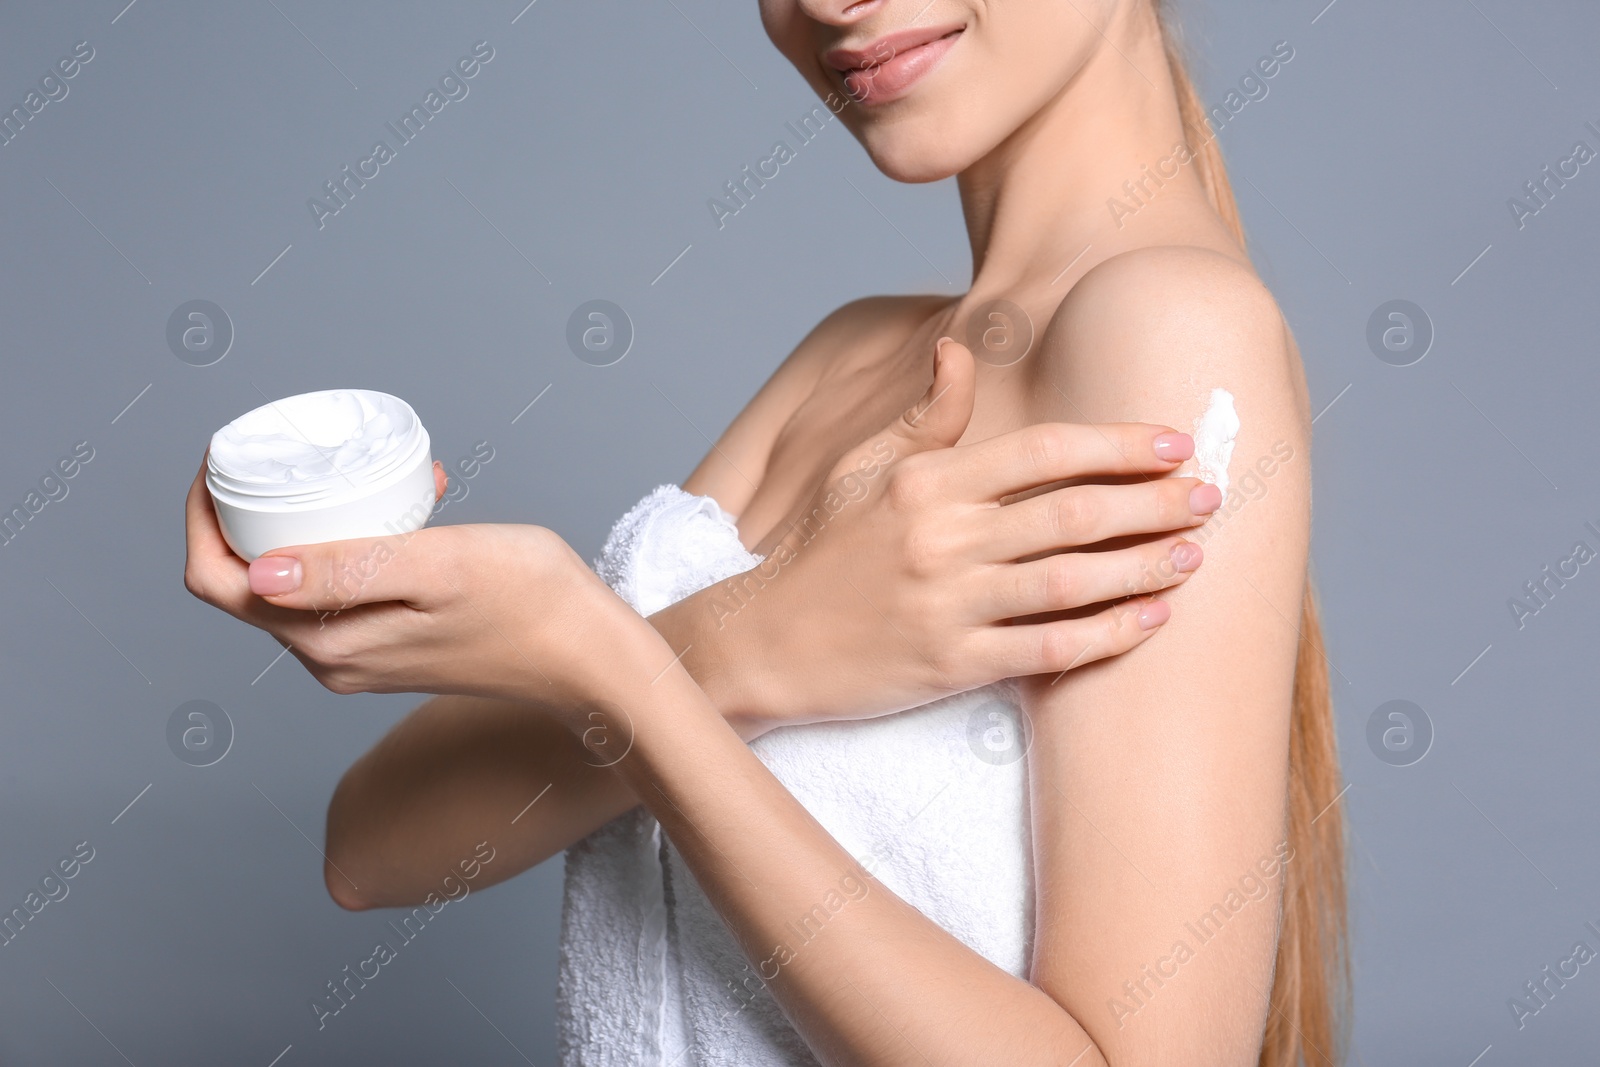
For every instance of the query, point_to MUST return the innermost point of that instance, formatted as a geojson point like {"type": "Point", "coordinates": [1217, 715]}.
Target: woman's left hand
{"type": "Point", "coordinates": [497, 610]}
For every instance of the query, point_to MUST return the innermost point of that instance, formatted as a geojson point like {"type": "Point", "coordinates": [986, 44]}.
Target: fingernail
{"type": "Point", "coordinates": [1174, 447]}
{"type": "Point", "coordinates": [1186, 556]}
{"type": "Point", "coordinates": [1154, 614]}
{"type": "Point", "coordinates": [1205, 498]}
{"type": "Point", "coordinates": [271, 575]}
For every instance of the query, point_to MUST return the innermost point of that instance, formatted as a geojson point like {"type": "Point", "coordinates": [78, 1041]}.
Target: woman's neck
{"type": "Point", "coordinates": [1042, 197]}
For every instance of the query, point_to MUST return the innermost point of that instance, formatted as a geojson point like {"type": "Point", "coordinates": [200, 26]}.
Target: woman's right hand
{"type": "Point", "coordinates": [921, 568]}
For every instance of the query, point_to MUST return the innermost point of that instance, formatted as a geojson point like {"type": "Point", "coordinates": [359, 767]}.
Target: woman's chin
{"type": "Point", "coordinates": [915, 159]}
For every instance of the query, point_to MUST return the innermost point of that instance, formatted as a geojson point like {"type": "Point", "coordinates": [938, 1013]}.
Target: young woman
{"type": "Point", "coordinates": [1071, 844]}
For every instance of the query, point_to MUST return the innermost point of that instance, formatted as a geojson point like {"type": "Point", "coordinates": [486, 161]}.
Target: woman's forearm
{"type": "Point", "coordinates": [727, 655]}
{"type": "Point", "coordinates": [875, 981]}
{"type": "Point", "coordinates": [455, 772]}
{"type": "Point", "coordinates": [460, 770]}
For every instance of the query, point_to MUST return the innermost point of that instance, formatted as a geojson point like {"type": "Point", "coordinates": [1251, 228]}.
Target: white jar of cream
{"type": "Point", "coordinates": [321, 466]}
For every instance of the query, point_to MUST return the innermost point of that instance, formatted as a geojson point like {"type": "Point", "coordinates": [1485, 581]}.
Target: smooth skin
{"type": "Point", "coordinates": [1158, 774]}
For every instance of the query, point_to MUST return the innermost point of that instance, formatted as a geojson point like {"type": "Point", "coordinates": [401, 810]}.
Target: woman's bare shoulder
{"type": "Point", "coordinates": [1160, 325]}
{"type": "Point", "coordinates": [1148, 295]}
{"type": "Point", "coordinates": [883, 319]}
{"type": "Point", "coordinates": [1177, 335]}
{"type": "Point", "coordinates": [732, 467]}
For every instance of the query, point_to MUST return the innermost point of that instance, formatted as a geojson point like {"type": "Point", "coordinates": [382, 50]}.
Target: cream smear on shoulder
{"type": "Point", "coordinates": [1214, 434]}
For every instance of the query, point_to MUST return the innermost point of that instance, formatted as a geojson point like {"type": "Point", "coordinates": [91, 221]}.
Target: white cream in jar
{"type": "Point", "coordinates": [322, 466]}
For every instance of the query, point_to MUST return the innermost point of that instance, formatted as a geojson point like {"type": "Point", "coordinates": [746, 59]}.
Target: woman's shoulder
{"type": "Point", "coordinates": [889, 318]}
{"type": "Point", "coordinates": [864, 325]}
{"type": "Point", "coordinates": [1153, 291]}
{"type": "Point", "coordinates": [861, 329]}
{"type": "Point", "coordinates": [1162, 325]}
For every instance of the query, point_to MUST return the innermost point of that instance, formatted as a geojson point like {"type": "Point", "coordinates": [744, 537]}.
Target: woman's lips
{"type": "Point", "coordinates": [891, 65]}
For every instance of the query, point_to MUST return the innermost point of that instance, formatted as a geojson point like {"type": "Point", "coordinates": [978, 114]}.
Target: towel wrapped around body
{"type": "Point", "coordinates": [931, 801]}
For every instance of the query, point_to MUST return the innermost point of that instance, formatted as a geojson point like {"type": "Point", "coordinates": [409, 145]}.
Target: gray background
{"type": "Point", "coordinates": [579, 166]}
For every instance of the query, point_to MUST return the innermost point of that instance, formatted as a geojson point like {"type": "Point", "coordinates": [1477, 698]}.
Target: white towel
{"type": "Point", "coordinates": [932, 801]}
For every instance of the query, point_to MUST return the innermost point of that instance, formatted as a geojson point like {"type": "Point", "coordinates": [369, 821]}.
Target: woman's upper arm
{"type": "Point", "coordinates": [1159, 777]}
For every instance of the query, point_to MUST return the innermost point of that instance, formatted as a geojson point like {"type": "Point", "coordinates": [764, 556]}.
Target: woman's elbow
{"type": "Point", "coordinates": [340, 864]}
{"type": "Point", "coordinates": [344, 892]}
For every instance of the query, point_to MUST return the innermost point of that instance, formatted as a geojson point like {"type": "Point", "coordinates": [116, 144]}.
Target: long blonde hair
{"type": "Point", "coordinates": [1310, 990]}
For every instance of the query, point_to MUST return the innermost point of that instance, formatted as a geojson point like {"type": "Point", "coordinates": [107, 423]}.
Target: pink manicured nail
{"type": "Point", "coordinates": [1154, 614]}
{"type": "Point", "coordinates": [1173, 447]}
{"type": "Point", "coordinates": [271, 575]}
{"type": "Point", "coordinates": [1205, 498]}
{"type": "Point", "coordinates": [1186, 556]}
